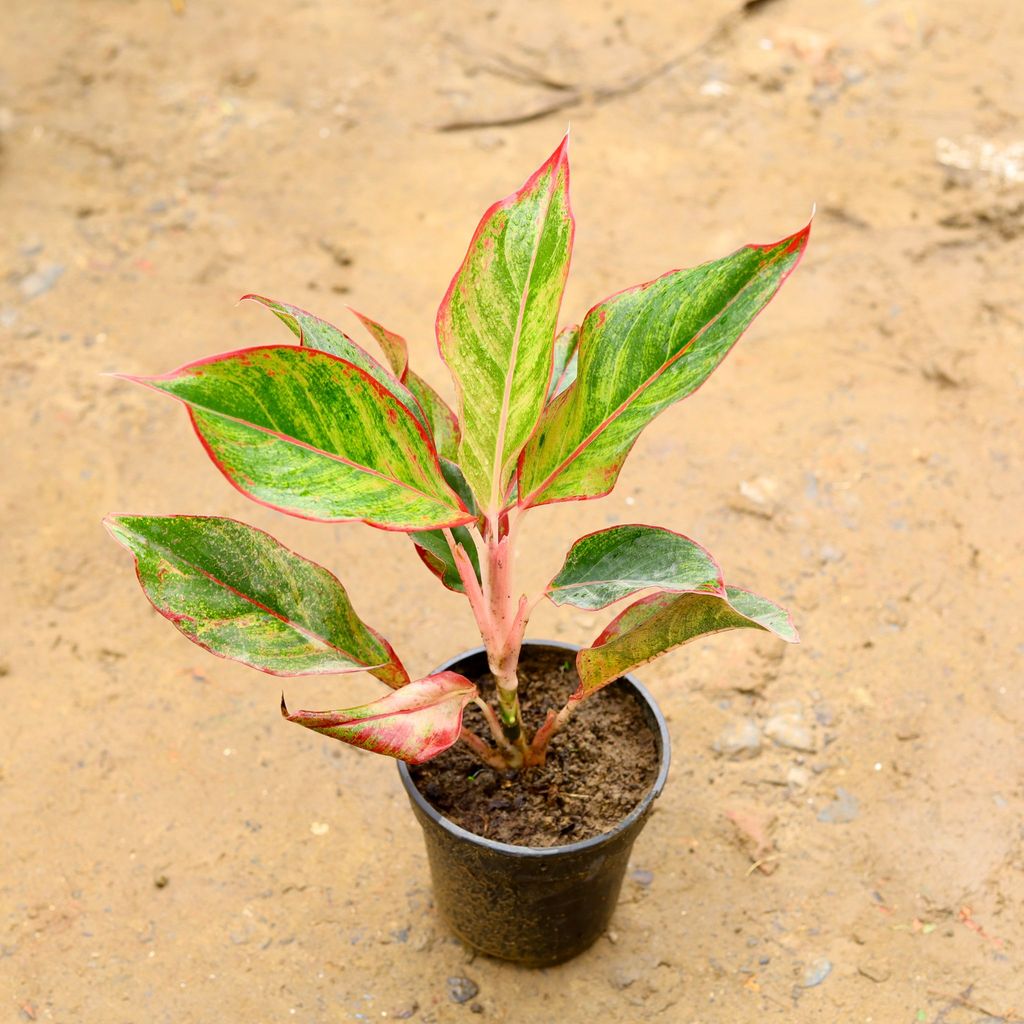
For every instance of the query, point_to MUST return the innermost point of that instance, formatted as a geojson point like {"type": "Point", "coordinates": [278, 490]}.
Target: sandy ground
{"type": "Point", "coordinates": [170, 851]}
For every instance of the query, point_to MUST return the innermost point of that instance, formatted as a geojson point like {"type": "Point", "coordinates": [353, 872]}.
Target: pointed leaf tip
{"type": "Point", "coordinates": [496, 324]}
{"type": "Point", "coordinates": [662, 622]}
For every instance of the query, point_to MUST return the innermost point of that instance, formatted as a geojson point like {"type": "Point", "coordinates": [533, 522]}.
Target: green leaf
{"type": "Point", "coordinates": [662, 622]}
{"type": "Point", "coordinates": [431, 545]}
{"type": "Point", "coordinates": [412, 724]}
{"type": "Point", "coordinates": [314, 436]}
{"type": "Point", "coordinates": [313, 332]}
{"type": "Point", "coordinates": [639, 352]}
{"type": "Point", "coordinates": [241, 594]}
{"type": "Point", "coordinates": [394, 346]}
{"type": "Point", "coordinates": [614, 563]}
{"type": "Point", "coordinates": [437, 416]}
{"type": "Point", "coordinates": [496, 324]}
{"type": "Point", "coordinates": [566, 362]}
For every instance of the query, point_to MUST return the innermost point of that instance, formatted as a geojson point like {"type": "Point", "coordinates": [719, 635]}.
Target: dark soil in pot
{"type": "Point", "coordinates": [598, 769]}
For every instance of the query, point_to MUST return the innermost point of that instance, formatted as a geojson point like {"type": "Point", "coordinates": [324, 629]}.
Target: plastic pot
{"type": "Point", "coordinates": [537, 906]}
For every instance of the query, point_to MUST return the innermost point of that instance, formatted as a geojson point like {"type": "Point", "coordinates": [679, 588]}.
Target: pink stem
{"type": "Point", "coordinates": [552, 724]}
{"type": "Point", "coordinates": [470, 583]}
{"type": "Point", "coordinates": [493, 724]}
{"type": "Point", "coordinates": [487, 754]}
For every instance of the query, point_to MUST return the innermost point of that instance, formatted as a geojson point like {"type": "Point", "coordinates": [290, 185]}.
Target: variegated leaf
{"type": "Point", "coordinates": [412, 724]}
{"type": "Point", "coordinates": [241, 594]}
{"type": "Point", "coordinates": [566, 360]}
{"type": "Point", "coordinates": [314, 436]}
{"type": "Point", "coordinates": [660, 623]}
{"type": "Point", "coordinates": [313, 332]}
{"type": "Point", "coordinates": [496, 324]}
{"type": "Point", "coordinates": [639, 352]}
{"type": "Point", "coordinates": [611, 564]}
{"type": "Point", "coordinates": [438, 417]}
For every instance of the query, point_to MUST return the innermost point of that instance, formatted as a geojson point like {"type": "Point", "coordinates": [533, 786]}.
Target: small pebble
{"type": "Point", "coordinates": [623, 976]}
{"type": "Point", "coordinates": [797, 777]}
{"type": "Point", "coordinates": [874, 970]}
{"type": "Point", "coordinates": [405, 1012]}
{"type": "Point", "coordinates": [462, 989]}
{"type": "Point", "coordinates": [825, 713]}
{"type": "Point", "coordinates": [642, 877]}
{"type": "Point", "coordinates": [817, 971]}
{"type": "Point", "coordinates": [739, 740]}
{"type": "Point", "coordinates": [41, 280]}
{"type": "Point", "coordinates": [842, 810]}
{"type": "Point", "coordinates": [788, 730]}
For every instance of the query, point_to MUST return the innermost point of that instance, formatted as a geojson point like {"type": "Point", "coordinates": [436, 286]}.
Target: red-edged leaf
{"type": "Point", "coordinates": [611, 564]}
{"type": "Point", "coordinates": [240, 594]}
{"type": "Point", "coordinates": [662, 622]}
{"type": "Point", "coordinates": [436, 414]}
{"type": "Point", "coordinates": [412, 724]}
{"type": "Point", "coordinates": [496, 324]}
{"type": "Point", "coordinates": [394, 346]}
{"type": "Point", "coordinates": [640, 351]}
{"type": "Point", "coordinates": [310, 434]}
{"type": "Point", "coordinates": [313, 332]}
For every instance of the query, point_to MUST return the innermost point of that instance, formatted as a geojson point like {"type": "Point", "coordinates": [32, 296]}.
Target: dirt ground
{"type": "Point", "coordinates": [170, 850]}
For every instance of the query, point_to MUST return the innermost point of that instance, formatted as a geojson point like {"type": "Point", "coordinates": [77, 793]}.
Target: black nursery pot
{"type": "Point", "coordinates": [537, 906]}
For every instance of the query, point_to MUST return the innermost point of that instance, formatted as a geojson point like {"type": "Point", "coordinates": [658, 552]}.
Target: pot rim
{"type": "Point", "coordinates": [540, 852]}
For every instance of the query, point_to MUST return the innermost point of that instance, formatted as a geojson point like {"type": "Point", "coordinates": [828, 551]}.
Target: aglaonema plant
{"type": "Point", "coordinates": [321, 429]}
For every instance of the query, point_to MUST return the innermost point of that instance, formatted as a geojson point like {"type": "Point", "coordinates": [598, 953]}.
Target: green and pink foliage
{"type": "Point", "coordinates": [413, 724]}
{"type": "Point", "coordinates": [325, 431]}
{"type": "Point", "coordinates": [496, 325]}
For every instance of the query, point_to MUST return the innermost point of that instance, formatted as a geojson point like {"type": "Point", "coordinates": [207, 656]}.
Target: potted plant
{"type": "Point", "coordinates": [525, 866]}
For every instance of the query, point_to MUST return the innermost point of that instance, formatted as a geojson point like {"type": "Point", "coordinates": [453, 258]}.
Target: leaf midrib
{"type": "Point", "coordinates": [499, 442]}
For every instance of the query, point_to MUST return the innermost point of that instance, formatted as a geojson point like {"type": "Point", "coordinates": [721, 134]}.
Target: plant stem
{"type": "Point", "coordinates": [511, 753]}
{"type": "Point", "coordinates": [504, 638]}
{"type": "Point", "coordinates": [502, 628]}
{"type": "Point", "coordinates": [538, 751]}
{"type": "Point", "coordinates": [491, 757]}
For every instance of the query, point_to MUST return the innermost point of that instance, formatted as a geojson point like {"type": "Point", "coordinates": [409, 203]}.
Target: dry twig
{"type": "Point", "coordinates": [574, 95]}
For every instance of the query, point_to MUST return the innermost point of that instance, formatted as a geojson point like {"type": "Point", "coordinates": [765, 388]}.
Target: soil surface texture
{"type": "Point", "coordinates": [597, 770]}
{"type": "Point", "coordinates": [840, 838]}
